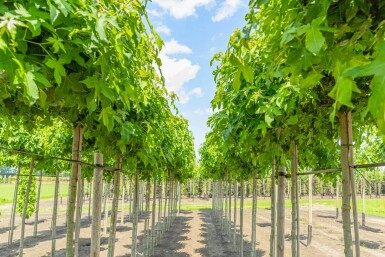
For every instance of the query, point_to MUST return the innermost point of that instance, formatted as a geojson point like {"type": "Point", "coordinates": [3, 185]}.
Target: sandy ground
{"type": "Point", "coordinates": [197, 233]}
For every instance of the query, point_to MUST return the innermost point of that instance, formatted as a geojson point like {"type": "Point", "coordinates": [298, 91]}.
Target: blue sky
{"type": "Point", "coordinates": [193, 31]}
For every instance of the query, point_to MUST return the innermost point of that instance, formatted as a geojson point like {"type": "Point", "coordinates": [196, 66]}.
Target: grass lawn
{"type": "Point", "coordinates": [373, 206]}
{"type": "Point", "coordinates": [47, 192]}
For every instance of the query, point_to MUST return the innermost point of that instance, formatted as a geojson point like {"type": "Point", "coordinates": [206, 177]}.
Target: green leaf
{"type": "Point", "coordinates": [312, 79]}
{"type": "Point", "coordinates": [268, 119]}
{"type": "Point", "coordinates": [107, 116]}
{"type": "Point", "coordinates": [292, 120]}
{"type": "Point", "coordinates": [314, 40]}
{"type": "Point", "coordinates": [248, 73]}
{"type": "Point", "coordinates": [59, 70]}
{"type": "Point", "coordinates": [100, 29]}
{"type": "Point", "coordinates": [63, 6]}
{"type": "Point", "coordinates": [31, 88]}
{"type": "Point", "coordinates": [43, 98]}
{"type": "Point", "coordinates": [237, 81]}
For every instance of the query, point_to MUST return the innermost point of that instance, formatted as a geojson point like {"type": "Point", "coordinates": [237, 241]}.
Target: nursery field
{"type": "Point", "coordinates": [195, 232]}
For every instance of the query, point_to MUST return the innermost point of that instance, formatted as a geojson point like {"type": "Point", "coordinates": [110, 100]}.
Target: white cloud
{"type": "Point", "coordinates": [174, 47]}
{"type": "Point", "coordinates": [227, 9]}
{"type": "Point", "coordinates": [183, 8]}
{"type": "Point", "coordinates": [184, 96]}
{"type": "Point", "coordinates": [200, 111]}
{"type": "Point", "coordinates": [155, 13]}
{"type": "Point", "coordinates": [161, 28]}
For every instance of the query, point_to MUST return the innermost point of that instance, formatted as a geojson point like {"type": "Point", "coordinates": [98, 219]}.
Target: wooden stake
{"type": "Point", "coordinates": [135, 213]}
{"type": "Point", "coordinates": [310, 211]}
{"type": "Point", "coordinates": [241, 218]}
{"type": "Point", "coordinates": [294, 204]}
{"type": "Point", "coordinates": [254, 217]}
{"type": "Point", "coordinates": [273, 213]}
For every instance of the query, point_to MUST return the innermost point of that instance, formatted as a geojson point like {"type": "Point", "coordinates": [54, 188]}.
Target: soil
{"type": "Point", "coordinates": [197, 233]}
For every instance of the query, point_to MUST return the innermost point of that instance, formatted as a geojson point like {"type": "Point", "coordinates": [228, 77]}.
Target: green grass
{"type": "Point", "coordinates": [47, 192]}
{"type": "Point", "coordinates": [373, 206]}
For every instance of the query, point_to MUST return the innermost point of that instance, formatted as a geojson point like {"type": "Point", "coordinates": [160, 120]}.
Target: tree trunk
{"type": "Point", "coordinates": [105, 207]}
{"type": "Point", "coordinates": [310, 212]}
{"type": "Point", "coordinates": [135, 214]}
{"type": "Point", "coordinates": [273, 213]}
{"type": "Point", "coordinates": [54, 215]}
{"type": "Point", "coordinates": [363, 201]}
{"type": "Point", "coordinates": [235, 215]}
{"type": "Point", "coordinates": [153, 209]}
{"type": "Point", "coordinates": [76, 155]}
{"type": "Point", "coordinates": [294, 205]}
{"type": "Point", "coordinates": [281, 213]}
{"type": "Point", "coordinates": [254, 217]}
{"type": "Point", "coordinates": [337, 196]}
{"type": "Point", "coordinates": [122, 203]}
{"type": "Point", "coordinates": [26, 207]}
{"type": "Point", "coordinates": [89, 200]}
{"type": "Point", "coordinates": [37, 205]}
{"type": "Point", "coordinates": [78, 217]}
{"type": "Point", "coordinates": [96, 207]}
{"type": "Point", "coordinates": [14, 205]}
{"type": "Point", "coordinates": [241, 218]}
{"type": "Point", "coordinates": [344, 120]}
{"type": "Point", "coordinates": [114, 210]}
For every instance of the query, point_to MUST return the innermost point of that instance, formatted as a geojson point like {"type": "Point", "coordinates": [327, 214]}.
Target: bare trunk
{"type": "Point", "coordinates": [96, 207]}
{"type": "Point", "coordinates": [78, 217]}
{"type": "Point", "coordinates": [114, 210]}
{"type": "Point", "coordinates": [135, 214]}
{"type": "Point", "coordinates": [76, 155]}
{"type": "Point", "coordinates": [54, 215]}
{"type": "Point", "coordinates": [281, 212]}
{"type": "Point", "coordinates": [235, 215]}
{"type": "Point", "coordinates": [310, 212]}
{"type": "Point", "coordinates": [122, 203]}
{"type": "Point", "coordinates": [254, 217]}
{"type": "Point", "coordinates": [153, 209]}
{"type": "Point", "coordinates": [241, 218]}
{"type": "Point", "coordinates": [294, 205]}
{"type": "Point", "coordinates": [14, 205]}
{"type": "Point", "coordinates": [273, 213]}
{"type": "Point", "coordinates": [343, 118]}
{"type": "Point", "coordinates": [37, 205]}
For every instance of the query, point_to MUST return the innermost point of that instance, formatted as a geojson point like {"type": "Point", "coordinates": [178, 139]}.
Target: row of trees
{"type": "Point", "coordinates": [87, 72]}
{"type": "Point", "coordinates": [301, 86]}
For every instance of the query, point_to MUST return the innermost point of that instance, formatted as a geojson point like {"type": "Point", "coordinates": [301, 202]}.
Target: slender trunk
{"type": "Point", "coordinates": [235, 215]}
{"type": "Point", "coordinates": [14, 205]}
{"type": "Point", "coordinates": [26, 207]}
{"type": "Point", "coordinates": [122, 203]}
{"type": "Point", "coordinates": [54, 215]}
{"type": "Point", "coordinates": [273, 213]}
{"type": "Point", "coordinates": [105, 207]}
{"type": "Point", "coordinates": [160, 193]}
{"type": "Point", "coordinates": [78, 215]}
{"type": "Point", "coordinates": [281, 212]}
{"type": "Point", "coordinates": [96, 207]}
{"type": "Point", "coordinates": [229, 228]}
{"type": "Point", "coordinates": [89, 199]}
{"type": "Point", "coordinates": [146, 218]}
{"type": "Point", "coordinates": [254, 217]}
{"type": "Point", "coordinates": [76, 155]}
{"type": "Point", "coordinates": [37, 205]}
{"type": "Point", "coordinates": [294, 205]}
{"type": "Point", "coordinates": [310, 212]}
{"type": "Point", "coordinates": [337, 196]}
{"type": "Point", "coordinates": [130, 200]}
{"type": "Point", "coordinates": [153, 209]}
{"type": "Point", "coordinates": [114, 210]}
{"type": "Point", "coordinates": [353, 183]}
{"type": "Point", "coordinates": [135, 214]}
{"type": "Point", "coordinates": [363, 202]}
{"type": "Point", "coordinates": [343, 118]}
{"type": "Point", "coordinates": [241, 218]}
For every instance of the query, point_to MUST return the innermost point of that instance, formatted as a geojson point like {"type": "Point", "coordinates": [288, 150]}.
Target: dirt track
{"type": "Point", "coordinates": [194, 233]}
